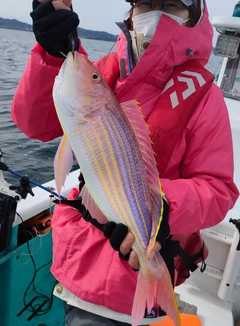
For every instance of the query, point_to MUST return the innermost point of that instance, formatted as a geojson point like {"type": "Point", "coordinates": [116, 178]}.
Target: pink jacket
{"type": "Point", "coordinates": [198, 181]}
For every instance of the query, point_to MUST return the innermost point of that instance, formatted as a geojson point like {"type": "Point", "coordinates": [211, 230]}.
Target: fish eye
{"type": "Point", "coordinates": [96, 77]}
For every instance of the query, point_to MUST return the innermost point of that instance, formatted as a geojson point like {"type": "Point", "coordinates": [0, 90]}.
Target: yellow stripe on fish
{"type": "Point", "coordinates": [129, 170]}
{"type": "Point", "coordinates": [123, 210]}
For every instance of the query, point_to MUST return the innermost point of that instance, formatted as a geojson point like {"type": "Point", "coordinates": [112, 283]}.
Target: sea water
{"type": "Point", "coordinates": [21, 154]}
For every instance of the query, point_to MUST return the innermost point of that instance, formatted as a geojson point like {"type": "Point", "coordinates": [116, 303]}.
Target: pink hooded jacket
{"type": "Point", "coordinates": [198, 181]}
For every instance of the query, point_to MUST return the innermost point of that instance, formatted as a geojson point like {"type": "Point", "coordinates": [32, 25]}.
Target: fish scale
{"type": "Point", "coordinates": [112, 146]}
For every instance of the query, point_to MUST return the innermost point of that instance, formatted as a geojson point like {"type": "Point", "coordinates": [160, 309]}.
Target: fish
{"type": "Point", "coordinates": [112, 146]}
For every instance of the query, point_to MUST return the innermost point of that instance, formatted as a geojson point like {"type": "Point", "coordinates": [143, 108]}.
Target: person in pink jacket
{"type": "Point", "coordinates": [159, 61]}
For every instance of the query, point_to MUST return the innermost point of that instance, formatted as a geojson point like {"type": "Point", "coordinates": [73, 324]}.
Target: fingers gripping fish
{"type": "Point", "coordinates": [112, 146]}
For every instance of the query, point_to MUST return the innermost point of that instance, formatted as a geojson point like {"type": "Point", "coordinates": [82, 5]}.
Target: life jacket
{"type": "Point", "coordinates": [167, 121]}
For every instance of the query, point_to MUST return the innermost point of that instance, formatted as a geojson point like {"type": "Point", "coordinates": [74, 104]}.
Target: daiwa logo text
{"type": "Point", "coordinates": [174, 96]}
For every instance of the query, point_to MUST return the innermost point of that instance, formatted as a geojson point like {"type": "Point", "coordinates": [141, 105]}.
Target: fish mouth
{"type": "Point", "coordinates": [73, 56]}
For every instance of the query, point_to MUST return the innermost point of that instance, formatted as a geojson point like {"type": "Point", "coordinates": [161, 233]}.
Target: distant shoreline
{"type": "Point", "coordinates": [14, 24]}
{"type": "Point", "coordinates": [16, 29]}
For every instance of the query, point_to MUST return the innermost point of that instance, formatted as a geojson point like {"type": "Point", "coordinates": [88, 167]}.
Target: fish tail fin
{"type": "Point", "coordinates": [154, 287]}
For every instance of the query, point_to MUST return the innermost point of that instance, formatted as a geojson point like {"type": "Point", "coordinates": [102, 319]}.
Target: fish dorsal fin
{"type": "Point", "coordinates": [91, 206]}
{"type": "Point", "coordinates": [63, 162]}
{"type": "Point", "coordinates": [136, 119]}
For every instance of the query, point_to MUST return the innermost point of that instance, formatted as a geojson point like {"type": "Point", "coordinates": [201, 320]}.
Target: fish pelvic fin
{"type": "Point", "coordinates": [154, 287]}
{"type": "Point", "coordinates": [63, 162]}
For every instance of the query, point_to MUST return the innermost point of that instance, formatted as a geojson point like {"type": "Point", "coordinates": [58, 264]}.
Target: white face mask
{"type": "Point", "coordinates": [145, 25]}
{"type": "Point", "coordinates": [176, 18]}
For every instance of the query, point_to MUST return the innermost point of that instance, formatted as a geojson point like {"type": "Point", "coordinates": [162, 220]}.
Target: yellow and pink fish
{"type": "Point", "coordinates": [112, 146]}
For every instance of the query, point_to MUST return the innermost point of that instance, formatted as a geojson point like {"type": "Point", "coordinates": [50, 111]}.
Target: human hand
{"type": "Point", "coordinates": [55, 26]}
{"type": "Point", "coordinates": [125, 249]}
{"type": "Point", "coordinates": [58, 4]}
{"type": "Point", "coordinates": [122, 240]}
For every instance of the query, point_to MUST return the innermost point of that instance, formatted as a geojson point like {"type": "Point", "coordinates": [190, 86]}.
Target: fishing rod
{"type": "Point", "coordinates": [4, 167]}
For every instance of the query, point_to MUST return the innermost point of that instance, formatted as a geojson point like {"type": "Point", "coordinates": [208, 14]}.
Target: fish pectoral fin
{"type": "Point", "coordinates": [63, 163]}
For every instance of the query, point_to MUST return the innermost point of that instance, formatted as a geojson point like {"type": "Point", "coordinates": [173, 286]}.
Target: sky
{"type": "Point", "coordinates": [101, 15]}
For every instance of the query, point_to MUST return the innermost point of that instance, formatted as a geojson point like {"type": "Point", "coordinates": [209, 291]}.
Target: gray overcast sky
{"type": "Point", "coordinates": [100, 15]}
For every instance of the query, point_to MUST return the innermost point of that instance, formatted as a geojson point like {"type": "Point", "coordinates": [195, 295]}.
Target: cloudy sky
{"type": "Point", "coordinates": [100, 14]}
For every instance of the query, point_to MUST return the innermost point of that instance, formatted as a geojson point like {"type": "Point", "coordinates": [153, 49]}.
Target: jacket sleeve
{"type": "Point", "coordinates": [32, 109]}
{"type": "Point", "coordinates": [206, 191]}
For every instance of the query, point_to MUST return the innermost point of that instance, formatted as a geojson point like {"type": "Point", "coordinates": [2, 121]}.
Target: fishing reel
{"type": "Point", "coordinates": [17, 192]}
{"type": "Point", "coordinates": [10, 196]}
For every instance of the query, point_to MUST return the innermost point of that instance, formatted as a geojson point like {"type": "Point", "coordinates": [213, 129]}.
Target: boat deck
{"type": "Point", "coordinates": [210, 309]}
